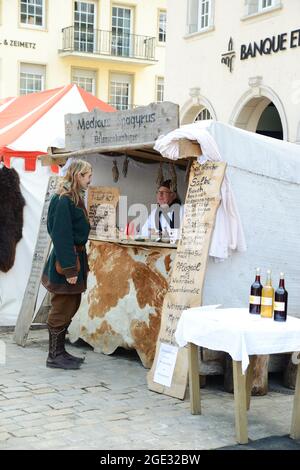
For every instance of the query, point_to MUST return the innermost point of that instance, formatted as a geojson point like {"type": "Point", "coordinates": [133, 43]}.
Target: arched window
{"type": "Point", "coordinates": [203, 115]}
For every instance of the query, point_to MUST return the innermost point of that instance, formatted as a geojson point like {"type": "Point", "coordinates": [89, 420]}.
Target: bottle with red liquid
{"type": "Point", "coordinates": [280, 301]}
{"type": "Point", "coordinates": [255, 294]}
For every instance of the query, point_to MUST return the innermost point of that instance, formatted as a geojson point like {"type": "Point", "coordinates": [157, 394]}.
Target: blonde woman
{"type": "Point", "coordinates": [65, 273]}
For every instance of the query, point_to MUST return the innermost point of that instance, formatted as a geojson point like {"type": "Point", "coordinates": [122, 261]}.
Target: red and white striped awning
{"type": "Point", "coordinates": [30, 124]}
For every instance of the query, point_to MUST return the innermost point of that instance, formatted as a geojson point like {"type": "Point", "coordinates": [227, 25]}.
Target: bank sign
{"type": "Point", "coordinates": [269, 45]}
{"type": "Point", "coordinates": [266, 46]}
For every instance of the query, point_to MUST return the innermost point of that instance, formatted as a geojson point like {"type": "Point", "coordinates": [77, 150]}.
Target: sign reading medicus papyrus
{"type": "Point", "coordinates": [121, 128]}
{"type": "Point", "coordinates": [187, 278]}
{"type": "Point", "coordinates": [102, 207]}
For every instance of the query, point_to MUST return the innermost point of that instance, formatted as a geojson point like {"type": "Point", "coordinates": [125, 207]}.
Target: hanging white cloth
{"type": "Point", "coordinates": [228, 234]}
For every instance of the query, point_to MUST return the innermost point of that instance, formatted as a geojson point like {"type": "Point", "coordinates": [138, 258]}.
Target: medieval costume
{"type": "Point", "coordinates": [68, 227]}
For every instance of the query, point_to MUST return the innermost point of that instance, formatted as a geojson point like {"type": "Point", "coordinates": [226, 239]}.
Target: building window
{"type": "Point", "coordinates": [120, 91]}
{"type": "Point", "coordinates": [85, 79]}
{"type": "Point", "coordinates": [121, 31]}
{"type": "Point", "coordinates": [199, 15]}
{"type": "Point", "coordinates": [84, 26]}
{"type": "Point", "coordinates": [162, 26]}
{"type": "Point", "coordinates": [265, 4]}
{"type": "Point", "coordinates": [260, 6]}
{"type": "Point", "coordinates": [32, 78]}
{"type": "Point", "coordinates": [160, 88]}
{"type": "Point", "coordinates": [203, 14]}
{"type": "Point", "coordinates": [203, 115]}
{"type": "Point", "coordinates": [32, 12]}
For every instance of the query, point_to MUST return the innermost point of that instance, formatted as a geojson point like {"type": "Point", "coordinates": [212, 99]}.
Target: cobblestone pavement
{"type": "Point", "coordinates": [107, 405]}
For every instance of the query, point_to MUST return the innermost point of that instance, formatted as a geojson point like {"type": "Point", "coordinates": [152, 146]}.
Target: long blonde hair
{"type": "Point", "coordinates": [69, 186]}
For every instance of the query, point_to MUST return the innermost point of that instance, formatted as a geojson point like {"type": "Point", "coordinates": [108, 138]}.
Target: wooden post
{"type": "Point", "coordinates": [249, 379]}
{"type": "Point", "coordinates": [290, 374]}
{"type": "Point", "coordinates": [194, 379]}
{"type": "Point", "coordinates": [240, 403]}
{"type": "Point", "coordinates": [295, 427]}
{"type": "Point", "coordinates": [42, 315]}
{"type": "Point", "coordinates": [260, 375]}
{"type": "Point", "coordinates": [41, 250]}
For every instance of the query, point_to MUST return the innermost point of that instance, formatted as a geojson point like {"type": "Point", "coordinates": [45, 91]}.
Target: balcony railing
{"type": "Point", "coordinates": [109, 43]}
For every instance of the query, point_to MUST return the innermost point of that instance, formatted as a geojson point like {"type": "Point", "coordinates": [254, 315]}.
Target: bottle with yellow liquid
{"type": "Point", "coordinates": [267, 298]}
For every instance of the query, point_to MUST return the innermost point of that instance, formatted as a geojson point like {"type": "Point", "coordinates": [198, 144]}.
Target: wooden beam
{"type": "Point", "coordinates": [154, 157]}
{"type": "Point", "coordinates": [104, 150]}
{"type": "Point", "coordinates": [139, 154]}
{"type": "Point", "coordinates": [47, 160]}
{"type": "Point", "coordinates": [189, 148]}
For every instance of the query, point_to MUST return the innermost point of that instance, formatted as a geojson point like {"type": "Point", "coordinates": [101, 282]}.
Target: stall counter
{"type": "Point", "coordinates": [122, 305]}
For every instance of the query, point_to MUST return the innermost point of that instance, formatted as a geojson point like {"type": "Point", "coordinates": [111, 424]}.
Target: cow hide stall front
{"type": "Point", "coordinates": [123, 302]}
{"type": "Point", "coordinates": [11, 216]}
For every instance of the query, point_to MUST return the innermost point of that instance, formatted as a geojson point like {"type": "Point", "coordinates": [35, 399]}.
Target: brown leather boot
{"type": "Point", "coordinates": [80, 360]}
{"type": "Point", "coordinates": [57, 357]}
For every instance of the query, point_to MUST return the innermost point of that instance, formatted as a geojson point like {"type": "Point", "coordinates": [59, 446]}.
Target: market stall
{"type": "Point", "coordinates": [257, 174]}
{"type": "Point", "coordinates": [129, 274]}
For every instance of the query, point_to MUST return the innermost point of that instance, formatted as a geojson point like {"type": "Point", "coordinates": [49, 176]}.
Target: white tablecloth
{"type": "Point", "coordinates": [237, 332]}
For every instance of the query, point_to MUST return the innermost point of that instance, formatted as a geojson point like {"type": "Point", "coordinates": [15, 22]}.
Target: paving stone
{"type": "Point", "coordinates": [107, 405]}
{"type": "Point", "coordinates": [58, 425]}
{"type": "Point", "coordinates": [27, 432]}
{"type": "Point", "coordinates": [43, 390]}
{"type": "Point", "coordinates": [63, 411]}
{"type": "Point", "coordinates": [11, 414]}
{"type": "Point", "coordinates": [10, 427]}
{"type": "Point", "coordinates": [10, 395]}
{"type": "Point", "coordinates": [14, 389]}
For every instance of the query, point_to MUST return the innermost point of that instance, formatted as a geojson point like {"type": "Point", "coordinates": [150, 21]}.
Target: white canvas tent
{"type": "Point", "coordinates": [28, 126]}
{"type": "Point", "coordinates": [265, 177]}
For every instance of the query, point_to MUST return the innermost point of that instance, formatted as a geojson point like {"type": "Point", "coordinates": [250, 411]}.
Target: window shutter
{"type": "Point", "coordinates": [211, 13]}
{"type": "Point", "coordinates": [251, 7]}
{"type": "Point", "coordinates": [192, 23]}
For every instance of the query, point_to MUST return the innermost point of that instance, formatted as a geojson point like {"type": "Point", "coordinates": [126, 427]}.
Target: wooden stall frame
{"type": "Point", "coordinates": [139, 151]}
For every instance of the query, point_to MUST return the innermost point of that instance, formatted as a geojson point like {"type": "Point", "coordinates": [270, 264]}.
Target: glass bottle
{"type": "Point", "coordinates": [255, 294]}
{"type": "Point", "coordinates": [267, 298]}
{"type": "Point", "coordinates": [281, 300]}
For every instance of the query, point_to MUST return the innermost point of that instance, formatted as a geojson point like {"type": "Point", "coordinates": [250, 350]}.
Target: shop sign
{"type": "Point", "coordinates": [141, 125]}
{"type": "Point", "coordinates": [270, 45]}
{"type": "Point", "coordinates": [15, 43]}
{"type": "Point", "coordinates": [227, 57]}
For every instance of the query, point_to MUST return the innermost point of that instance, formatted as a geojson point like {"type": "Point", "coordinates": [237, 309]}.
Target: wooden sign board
{"type": "Point", "coordinates": [141, 125]}
{"type": "Point", "coordinates": [102, 211]}
{"type": "Point", "coordinates": [187, 277]}
{"type": "Point", "coordinates": [39, 259]}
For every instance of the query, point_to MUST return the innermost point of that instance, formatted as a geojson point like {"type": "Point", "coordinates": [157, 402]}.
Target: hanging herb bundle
{"type": "Point", "coordinates": [172, 170]}
{"type": "Point", "coordinates": [125, 166]}
{"type": "Point", "coordinates": [115, 171]}
{"type": "Point", "coordinates": [188, 169]}
{"type": "Point", "coordinates": [160, 176]}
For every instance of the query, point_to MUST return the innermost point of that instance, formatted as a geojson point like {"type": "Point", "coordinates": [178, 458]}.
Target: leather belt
{"type": "Point", "coordinates": [79, 248]}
